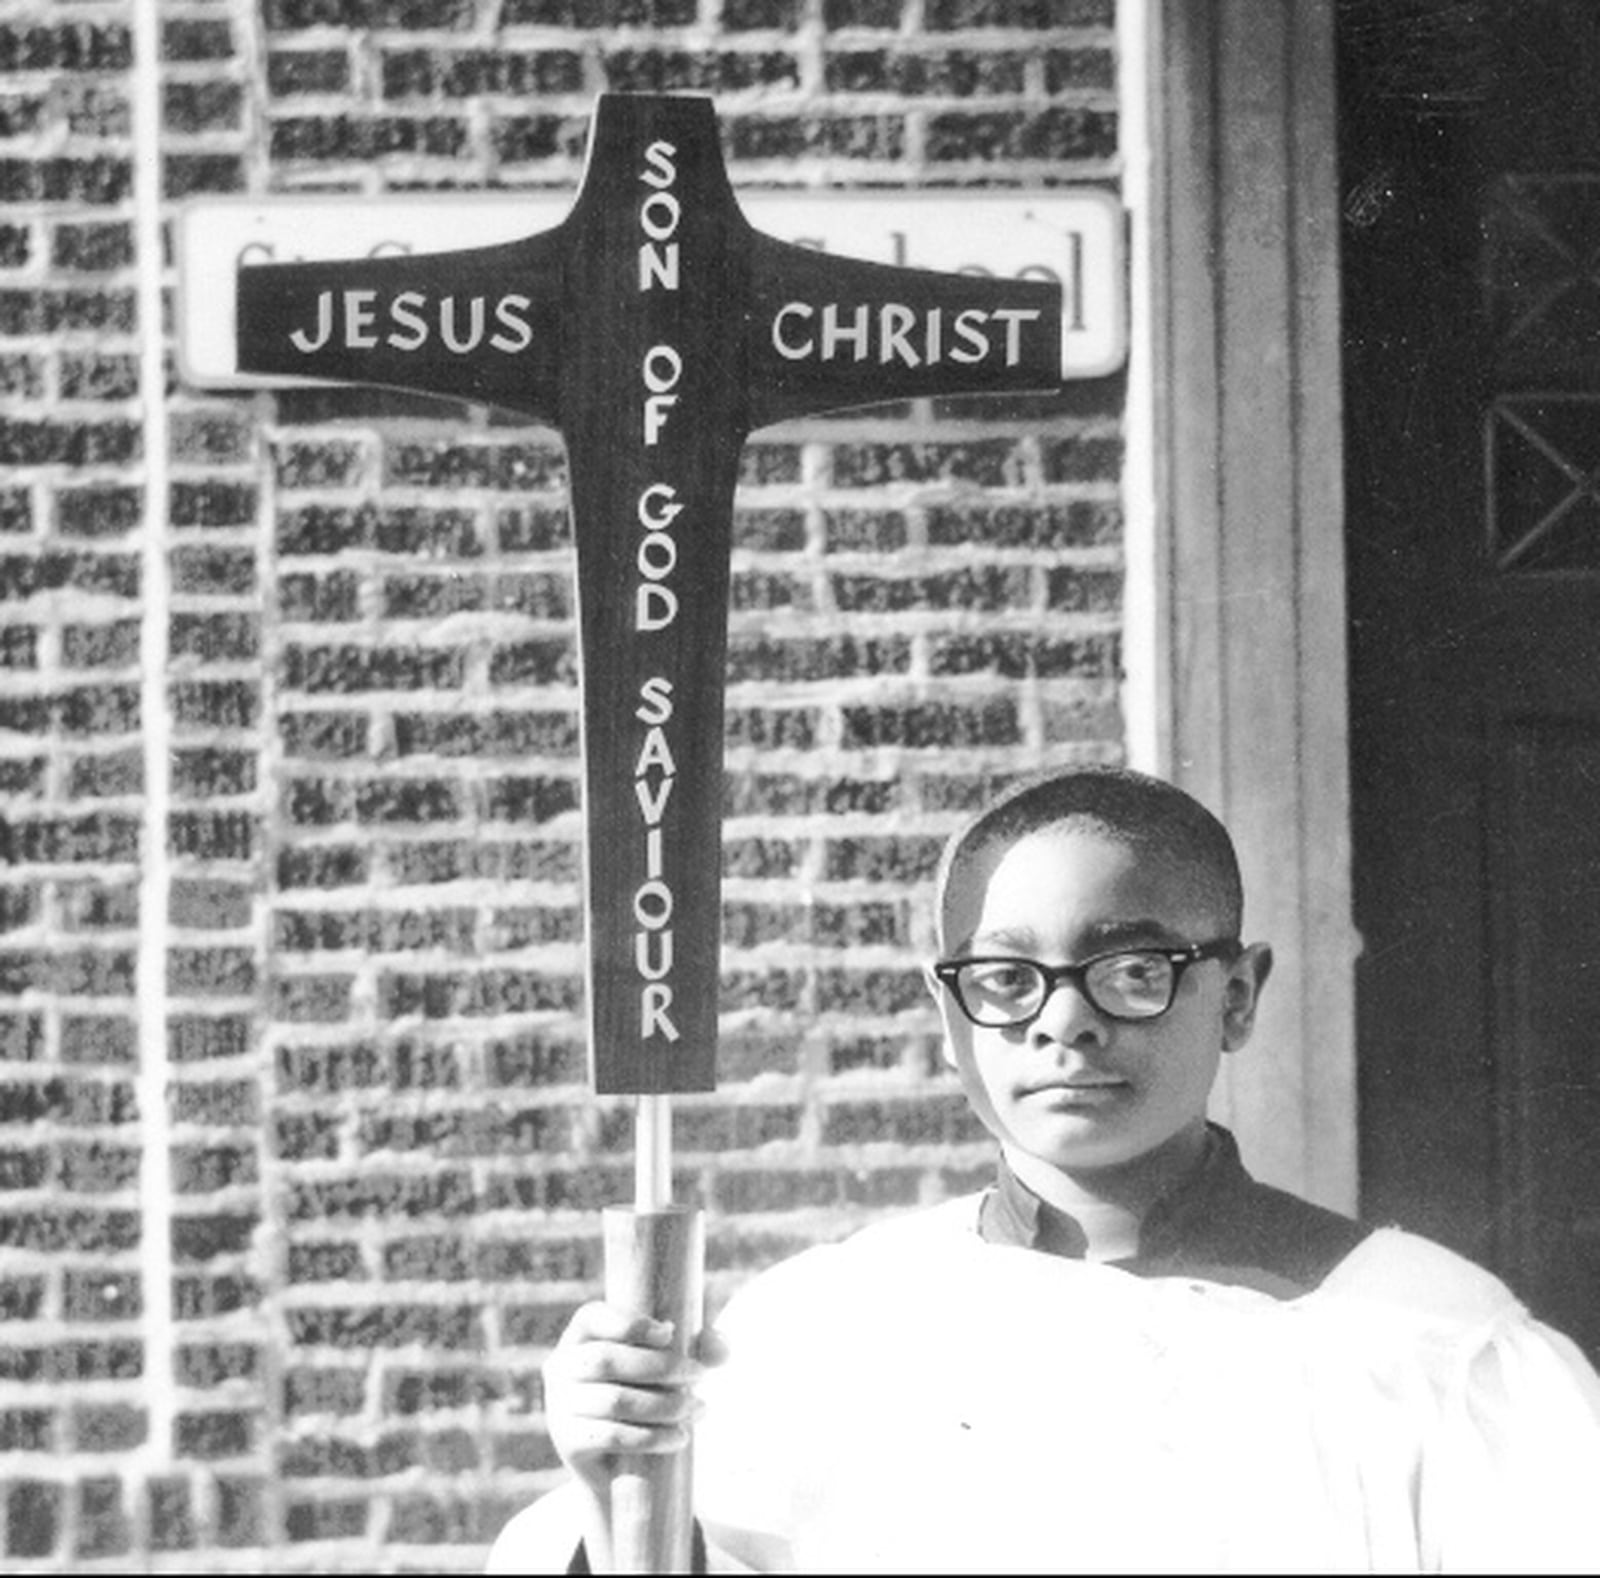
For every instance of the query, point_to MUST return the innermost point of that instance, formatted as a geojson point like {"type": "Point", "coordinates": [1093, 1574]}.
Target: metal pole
{"type": "Point", "coordinates": [655, 1259]}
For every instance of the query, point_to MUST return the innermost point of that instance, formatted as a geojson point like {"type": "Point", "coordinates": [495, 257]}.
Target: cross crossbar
{"type": "Point", "coordinates": [655, 329]}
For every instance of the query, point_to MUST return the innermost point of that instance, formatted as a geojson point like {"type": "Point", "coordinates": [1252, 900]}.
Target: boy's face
{"type": "Point", "coordinates": [1075, 1088]}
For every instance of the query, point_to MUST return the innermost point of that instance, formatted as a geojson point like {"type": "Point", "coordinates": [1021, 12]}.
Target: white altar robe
{"type": "Point", "coordinates": [915, 1400]}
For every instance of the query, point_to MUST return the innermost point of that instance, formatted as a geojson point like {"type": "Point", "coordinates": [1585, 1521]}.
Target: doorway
{"type": "Point", "coordinates": [1470, 174]}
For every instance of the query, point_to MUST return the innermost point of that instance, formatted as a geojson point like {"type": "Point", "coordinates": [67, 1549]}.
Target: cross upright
{"type": "Point", "coordinates": [655, 329]}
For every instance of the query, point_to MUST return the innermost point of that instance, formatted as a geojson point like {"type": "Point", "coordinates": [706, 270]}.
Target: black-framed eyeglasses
{"type": "Point", "coordinates": [1005, 992]}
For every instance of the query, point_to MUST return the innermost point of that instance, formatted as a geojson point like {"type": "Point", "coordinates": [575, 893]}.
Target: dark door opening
{"type": "Point", "coordinates": [1470, 168]}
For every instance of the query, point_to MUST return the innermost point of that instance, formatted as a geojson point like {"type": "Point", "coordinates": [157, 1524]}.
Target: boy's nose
{"type": "Point", "coordinates": [1069, 1017]}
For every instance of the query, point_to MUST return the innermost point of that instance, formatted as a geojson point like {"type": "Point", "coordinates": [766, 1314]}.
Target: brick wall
{"type": "Point", "coordinates": [384, 1167]}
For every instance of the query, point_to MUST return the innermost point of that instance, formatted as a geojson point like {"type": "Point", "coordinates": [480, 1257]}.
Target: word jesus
{"type": "Point", "coordinates": [411, 317]}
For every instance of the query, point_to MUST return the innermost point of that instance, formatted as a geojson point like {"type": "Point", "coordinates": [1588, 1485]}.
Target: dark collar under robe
{"type": "Point", "coordinates": [1217, 1224]}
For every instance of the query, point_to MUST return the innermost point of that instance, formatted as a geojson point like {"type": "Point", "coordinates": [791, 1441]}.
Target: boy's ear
{"type": "Point", "coordinates": [1247, 976]}
{"type": "Point", "coordinates": [947, 1053]}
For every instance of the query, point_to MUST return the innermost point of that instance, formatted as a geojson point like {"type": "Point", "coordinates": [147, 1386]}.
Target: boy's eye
{"type": "Point", "coordinates": [1133, 972]}
{"type": "Point", "coordinates": [1132, 967]}
{"type": "Point", "coordinates": [1003, 979]}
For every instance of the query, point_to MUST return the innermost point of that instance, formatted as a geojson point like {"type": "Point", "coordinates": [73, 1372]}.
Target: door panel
{"type": "Point", "coordinates": [1472, 397]}
{"type": "Point", "coordinates": [1545, 944]}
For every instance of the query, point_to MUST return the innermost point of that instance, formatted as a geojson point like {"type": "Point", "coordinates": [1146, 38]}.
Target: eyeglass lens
{"type": "Point", "coordinates": [1126, 985]}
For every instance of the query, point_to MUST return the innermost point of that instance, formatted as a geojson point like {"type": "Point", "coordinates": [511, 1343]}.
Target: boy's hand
{"type": "Point", "coordinates": [613, 1384]}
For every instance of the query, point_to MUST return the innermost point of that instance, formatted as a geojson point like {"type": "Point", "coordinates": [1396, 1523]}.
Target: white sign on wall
{"type": "Point", "coordinates": [1072, 236]}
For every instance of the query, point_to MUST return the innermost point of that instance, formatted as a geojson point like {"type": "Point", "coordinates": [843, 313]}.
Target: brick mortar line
{"type": "Point", "coordinates": [155, 1180]}
{"type": "Point", "coordinates": [272, 1239]}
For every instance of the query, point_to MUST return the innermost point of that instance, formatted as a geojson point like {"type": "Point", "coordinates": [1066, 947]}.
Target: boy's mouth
{"type": "Point", "coordinates": [1077, 1093]}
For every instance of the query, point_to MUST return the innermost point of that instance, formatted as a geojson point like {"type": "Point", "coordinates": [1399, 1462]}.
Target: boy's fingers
{"type": "Point", "coordinates": [614, 1361]}
{"type": "Point", "coordinates": [601, 1322]}
{"type": "Point", "coordinates": [709, 1348]}
{"type": "Point", "coordinates": [631, 1405]}
{"type": "Point", "coordinates": [593, 1439]}
{"type": "Point", "coordinates": [613, 1384]}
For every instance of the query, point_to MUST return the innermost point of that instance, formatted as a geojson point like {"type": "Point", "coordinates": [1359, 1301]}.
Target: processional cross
{"type": "Point", "coordinates": [655, 329]}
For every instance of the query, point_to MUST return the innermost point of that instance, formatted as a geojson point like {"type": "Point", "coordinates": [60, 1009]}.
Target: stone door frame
{"type": "Point", "coordinates": [1236, 618]}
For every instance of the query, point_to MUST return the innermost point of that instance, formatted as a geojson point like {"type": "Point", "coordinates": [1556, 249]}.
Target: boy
{"type": "Point", "coordinates": [1126, 1355]}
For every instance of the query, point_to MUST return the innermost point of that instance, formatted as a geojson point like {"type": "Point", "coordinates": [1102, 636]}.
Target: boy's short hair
{"type": "Point", "coordinates": [1122, 804]}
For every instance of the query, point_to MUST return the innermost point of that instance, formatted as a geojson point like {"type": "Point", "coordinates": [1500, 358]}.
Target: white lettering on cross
{"type": "Point", "coordinates": [659, 215]}
{"type": "Point", "coordinates": [653, 776]}
{"type": "Point", "coordinates": [663, 368]}
{"type": "Point", "coordinates": [655, 604]}
{"type": "Point", "coordinates": [915, 337]}
{"type": "Point", "coordinates": [357, 320]}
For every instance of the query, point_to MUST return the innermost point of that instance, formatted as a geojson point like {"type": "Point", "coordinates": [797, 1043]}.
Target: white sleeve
{"type": "Point", "coordinates": [542, 1538]}
{"type": "Point", "coordinates": [751, 1443]}
{"type": "Point", "coordinates": [545, 1536]}
{"type": "Point", "coordinates": [1511, 1476]}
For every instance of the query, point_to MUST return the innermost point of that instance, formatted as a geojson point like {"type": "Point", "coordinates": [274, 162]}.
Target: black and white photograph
{"type": "Point", "coordinates": [800, 786]}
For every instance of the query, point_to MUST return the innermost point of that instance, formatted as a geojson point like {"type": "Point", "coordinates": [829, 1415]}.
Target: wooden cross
{"type": "Point", "coordinates": [655, 329]}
